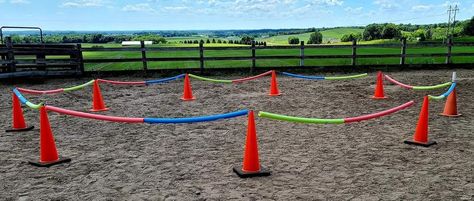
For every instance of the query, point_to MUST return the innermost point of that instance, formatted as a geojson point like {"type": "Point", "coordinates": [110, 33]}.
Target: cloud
{"type": "Point", "coordinates": [140, 7]}
{"type": "Point", "coordinates": [176, 8]}
{"type": "Point", "coordinates": [357, 10]}
{"type": "Point", "coordinates": [386, 4]}
{"type": "Point", "coordinates": [83, 3]}
{"type": "Point", "coordinates": [19, 1]}
{"type": "Point", "coordinates": [421, 7]}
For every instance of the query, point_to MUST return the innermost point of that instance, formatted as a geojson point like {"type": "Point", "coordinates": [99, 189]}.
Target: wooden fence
{"type": "Point", "coordinates": [40, 59]}
{"type": "Point", "coordinates": [301, 57]}
{"type": "Point", "coordinates": [75, 62]}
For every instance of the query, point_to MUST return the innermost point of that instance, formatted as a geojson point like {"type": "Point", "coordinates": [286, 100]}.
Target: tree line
{"type": "Point", "coordinates": [412, 32]}
{"type": "Point", "coordinates": [88, 38]}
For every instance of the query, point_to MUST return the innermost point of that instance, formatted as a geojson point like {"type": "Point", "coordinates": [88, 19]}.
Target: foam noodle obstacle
{"type": "Point", "coordinates": [187, 91]}
{"type": "Point", "coordinates": [24, 101]}
{"type": "Point", "coordinates": [251, 163]}
{"type": "Point", "coordinates": [55, 91]}
{"type": "Point", "coordinates": [379, 92]}
{"type": "Point", "coordinates": [252, 78]}
{"type": "Point", "coordinates": [324, 78]}
{"type": "Point", "coordinates": [451, 106]}
{"type": "Point", "coordinates": [406, 86]}
{"type": "Point", "coordinates": [122, 82]}
{"type": "Point", "coordinates": [274, 86]}
{"type": "Point", "coordinates": [149, 120]}
{"type": "Point", "coordinates": [420, 137]}
{"type": "Point", "coordinates": [48, 152]}
{"type": "Point", "coordinates": [334, 121]}
{"type": "Point", "coordinates": [18, 121]}
{"type": "Point", "coordinates": [445, 94]}
{"type": "Point", "coordinates": [98, 104]}
{"type": "Point", "coordinates": [164, 80]}
{"type": "Point", "coordinates": [210, 80]}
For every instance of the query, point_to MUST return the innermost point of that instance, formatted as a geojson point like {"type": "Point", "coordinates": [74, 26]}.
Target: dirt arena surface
{"type": "Point", "coordinates": [358, 161]}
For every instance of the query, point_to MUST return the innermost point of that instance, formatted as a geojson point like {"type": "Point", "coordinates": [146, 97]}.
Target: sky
{"type": "Point", "coordinates": [222, 14]}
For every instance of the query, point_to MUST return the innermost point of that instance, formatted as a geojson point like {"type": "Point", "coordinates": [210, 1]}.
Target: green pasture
{"type": "Point", "coordinates": [333, 35]}
{"type": "Point", "coordinates": [271, 62]}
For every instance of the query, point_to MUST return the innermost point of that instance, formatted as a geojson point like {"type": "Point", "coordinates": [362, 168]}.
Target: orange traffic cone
{"type": "Point", "coordinates": [251, 164]}
{"type": "Point", "coordinates": [274, 86]}
{"type": "Point", "coordinates": [421, 133]}
{"type": "Point", "coordinates": [451, 108]}
{"type": "Point", "coordinates": [98, 104]}
{"type": "Point", "coordinates": [379, 93]}
{"type": "Point", "coordinates": [48, 152]}
{"type": "Point", "coordinates": [17, 116]}
{"type": "Point", "coordinates": [188, 91]}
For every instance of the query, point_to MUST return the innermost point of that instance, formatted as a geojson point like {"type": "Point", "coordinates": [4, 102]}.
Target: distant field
{"type": "Point", "coordinates": [276, 40]}
{"type": "Point", "coordinates": [272, 62]}
{"type": "Point", "coordinates": [332, 35]}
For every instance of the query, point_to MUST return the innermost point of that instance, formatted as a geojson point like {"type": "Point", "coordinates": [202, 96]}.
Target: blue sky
{"type": "Point", "coordinates": [221, 14]}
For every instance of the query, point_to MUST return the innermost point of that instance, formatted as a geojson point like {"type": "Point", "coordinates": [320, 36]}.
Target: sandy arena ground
{"type": "Point", "coordinates": [358, 161]}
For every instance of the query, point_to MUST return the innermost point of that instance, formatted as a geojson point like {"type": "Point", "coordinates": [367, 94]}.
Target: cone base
{"type": "Point", "coordinates": [49, 164]}
{"type": "Point", "coordinates": [20, 129]}
{"type": "Point", "coordinates": [379, 98]}
{"type": "Point", "coordinates": [243, 174]}
{"type": "Point", "coordinates": [427, 144]}
{"type": "Point", "coordinates": [188, 99]}
{"type": "Point", "coordinates": [450, 115]}
{"type": "Point", "coordinates": [274, 94]}
{"type": "Point", "coordinates": [99, 110]}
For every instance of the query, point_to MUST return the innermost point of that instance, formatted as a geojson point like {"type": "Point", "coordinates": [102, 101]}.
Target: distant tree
{"type": "Point", "coordinates": [96, 38]}
{"type": "Point", "coordinates": [196, 41]}
{"type": "Point", "coordinates": [231, 42]}
{"type": "Point", "coordinates": [429, 34]}
{"type": "Point", "coordinates": [315, 38]}
{"type": "Point", "coordinates": [351, 37]}
{"type": "Point", "coordinates": [265, 44]}
{"type": "Point", "coordinates": [224, 41]}
{"type": "Point", "coordinates": [208, 41]}
{"type": "Point", "coordinates": [372, 32]}
{"type": "Point", "coordinates": [420, 35]}
{"type": "Point", "coordinates": [293, 40]}
{"type": "Point", "coordinates": [219, 41]}
{"type": "Point", "coordinates": [201, 41]}
{"type": "Point", "coordinates": [391, 31]}
{"type": "Point", "coordinates": [468, 28]}
{"type": "Point", "coordinates": [213, 40]}
{"type": "Point", "coordinates": [247, 39]}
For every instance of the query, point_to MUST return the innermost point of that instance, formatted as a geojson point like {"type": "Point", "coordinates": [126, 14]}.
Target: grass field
{"type": "Point", "coordinates": [328, 35]}
{"type": "Point", "coordinates": [332, 35]}
{"type": "Point", "coordinates": [273, 62]}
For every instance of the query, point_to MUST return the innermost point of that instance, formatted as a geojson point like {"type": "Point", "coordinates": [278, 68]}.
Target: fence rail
{"type": "Point", "coordinates": [75, 61]}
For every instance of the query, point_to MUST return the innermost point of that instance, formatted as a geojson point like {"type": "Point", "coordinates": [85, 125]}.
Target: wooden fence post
{"type": "Point", "coordinates": [403, 52]}
{"type": "Point", "coordinates": [10, 55]}
{"type": "Point", "coordinates": [201, 56]}
{"type": "Point", "coordinates": [448, 55]}
{"type": "Point", "coordinates": [144, 60]}
{"type": "Point", "coordinates": [354, 52]}
{"type": "Point", "coordinates": [252, 69]}
{"type": "Point", "coordinates": [302, 53]}
{"type": "Point", "coordinates": [80, 58]}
